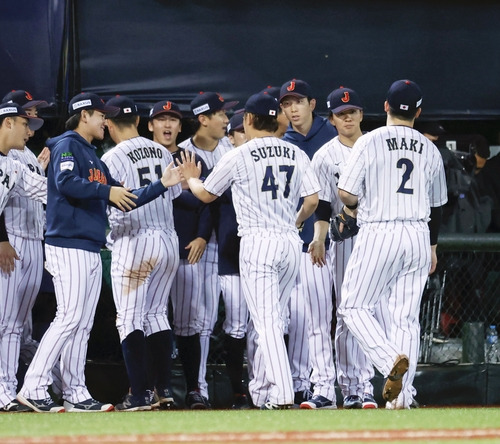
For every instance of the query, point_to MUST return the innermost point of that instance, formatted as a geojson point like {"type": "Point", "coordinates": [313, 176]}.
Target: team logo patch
{"type": "Point", "coordinates": [404, 107]}
{"type": "Point", "coordinates": [272, 112]}
{"type": "Point", "coordinates": [291, 87]}
{"type": "Point", "coordinates": [8, 110]}
{"type": "Point", "coordinates": [82, 103]}
{"type": "Point", "coordinates": [28, 96]}
{"type": "Point", "coordinates": [67, 161]}
{"type": "Point", "coordinates": [220, 97]}
{"type": "Point", "coordinates": [346, 97]}
{"type": "Point", "coordinates": [167, 106]}
{"type": "Point", "coordinates": [201, 109]}
{"type": "Point", "coordinates": [127, 110]}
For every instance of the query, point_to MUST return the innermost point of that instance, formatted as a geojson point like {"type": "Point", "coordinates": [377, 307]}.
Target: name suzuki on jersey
{"type": "Point", "coordinates": [272, 151]}
{"type": "Point", "coordinates": [394, 144]}
{"type": "Point", "coordinates": [145, 152]}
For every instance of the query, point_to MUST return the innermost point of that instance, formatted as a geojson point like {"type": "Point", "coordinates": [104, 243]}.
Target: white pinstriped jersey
{"type": "Point", "coordinates": [209, 157]}
{"type": "Point", "coordinates": [257, 172]}
{"type": "Point", "coordinates": [138, 162]}
{"type": "Point", "coordinates": [16, 179]}
{"type": "Point", "coordinates": [400, 164]}
{"type": "Point", "coordinates": [328, 163]}
{"type": "Point", "coordinates": [25, 217]}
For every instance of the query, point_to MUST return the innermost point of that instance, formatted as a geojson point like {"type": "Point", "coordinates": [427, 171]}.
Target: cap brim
{"type": "Point", "coordinates": [110, 111]}
{"type": "Point", "coordinates": [339, 109]}
{"type": "Point", "coordinates": [37, 103]}
{"type": "Point", "coordinates": [229, 105]}
{"type": "Point", "coordinates": [34, 123]}
{"type": "Point", "coordinates": [173, 113]}
{"type": "Point", "coordinates": [293, 94]}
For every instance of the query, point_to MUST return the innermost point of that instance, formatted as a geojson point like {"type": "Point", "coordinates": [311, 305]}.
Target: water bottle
{"type": "Point", "coordinates": [492, 354]}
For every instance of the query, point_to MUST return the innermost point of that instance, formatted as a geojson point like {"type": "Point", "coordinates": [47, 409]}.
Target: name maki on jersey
{"type": "Point", "coordinates": [401, 144]}
{"type": "Point", "coordinates": [272, 151]}
{"type": "Point", "coordinates": [146, 152]}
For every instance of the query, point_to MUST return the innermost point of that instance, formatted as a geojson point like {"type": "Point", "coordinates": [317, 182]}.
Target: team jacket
{"type": "Point", "coordinates": [78, 190]}
{"type": "Point", "coordinates": [321, 132]}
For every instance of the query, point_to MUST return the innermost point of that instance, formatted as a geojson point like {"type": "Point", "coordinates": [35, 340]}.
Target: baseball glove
{"type": "Point", "coordinates": [349, 230]}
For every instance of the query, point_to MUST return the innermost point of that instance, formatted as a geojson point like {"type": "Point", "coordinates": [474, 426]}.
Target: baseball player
{"type": "Point", "coordinates": [79, 189]}
{"type": "Point", "coordinates": [283, 121]}
{"type": "Point", "coordinates": [236, 311]}
{"type": "Point", "coordinates": [354, 371]}
{"type": "Point", "coordinates": [144, 259]}
{"type": "Point", "coordinates": [396, 177]}
{"type": "Point", "coordinates": [267, 176]}
{"type": "Point", "coordinates": [210, 143]}
{"type": "Point", "coordinates": [18, 293]}
{"type": "Point", "coordinates": [193, 230]}
{"type": "Point", "coordinates": [312, 293]}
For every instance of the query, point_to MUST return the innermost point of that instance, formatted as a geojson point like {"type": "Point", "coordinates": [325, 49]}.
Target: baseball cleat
{"type": "Point", "coordinates": [302, 396]}
{"type": "Point", "coordinates": [394, 382]}
{"type": "Point", "coordinates": [241, 403]}
{"type": "Point", "coordinates": [196, 401]}
{"type": "Point", "coordinates": [272, 406]}
{"type": "Point", "coordinates": [163, 400]}
{"type": "Point", "coordinates": [369, 401]}
{"type": "Point", "coordinates": [41, 405]}
{"type": "Point", "coordinates": [88, 406]}
{"type": "Point", "coordinates": [353, 402]}
{"type": "Point", "coordinates": [15, 407]}
{"type": "Point", "coordinates": [318, 402]}
{"type": "Point", "coordinates": [135, 403]}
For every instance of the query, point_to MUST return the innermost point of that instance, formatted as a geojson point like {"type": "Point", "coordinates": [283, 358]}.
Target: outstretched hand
{"type": "Point", "coordinates": [188, 167]}
{"type": "Point", "coordinates": [8, 256]}
{"type": "Point", "coordinates": [122, 198]}
{"type": "Point", "coordinates": [44, 158]}
{"type": "Point", "coordinates": [171, 175]}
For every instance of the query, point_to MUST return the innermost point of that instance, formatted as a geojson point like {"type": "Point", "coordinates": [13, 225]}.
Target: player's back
{"type": "Point", "coordinates": [271, 177]}
{"type": "Point", "coordinates": [402, 174]}
{"type": "Point", "coordinates": [136, 163]}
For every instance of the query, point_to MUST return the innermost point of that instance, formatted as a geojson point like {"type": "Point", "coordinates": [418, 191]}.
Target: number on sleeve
{"type": "Point", "coordinates": [408, 166]}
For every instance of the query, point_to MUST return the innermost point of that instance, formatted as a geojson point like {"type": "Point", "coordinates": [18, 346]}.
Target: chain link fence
{"type": "Point", "coordinates": [461, 300]}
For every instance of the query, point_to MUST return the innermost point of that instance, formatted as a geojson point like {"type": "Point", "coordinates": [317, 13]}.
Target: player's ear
{"type": "Point", "coordinates": [330, 118]}
{"type": "Point", "coordinates": [150, 126]}
{"type": "Point", "coordinates": [137, 119]}
{"type": "Point", "coordinates": [419, 111]}
{"type": "Point", "coordinates": [360, 115]}
{"type": "Point", "coordinates": [312, 104]}
{"type": "Point", "coordinates": [386, 106]}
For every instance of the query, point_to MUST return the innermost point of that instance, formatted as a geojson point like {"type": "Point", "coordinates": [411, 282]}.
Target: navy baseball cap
{"type": "Point", "coordinates": [14, 110]}
{"type": "Point", "coordinates": [296, 88]}
{"type": "Point", "coordinates": [165, 107]}
{"type": "Point", "coordinates": [236, 122]}
{"type": "Point", "coordinates": [341, 99]}
{"type": "Point", "coordinates": [262, 104]}
{"type": "Point", "coordinates": [91, 101]}
{"type": "Point", "coordinates": [23, 98]}
{"type": "Point", "coordinates": [273, 91]}
{"type": "Point", "coordinates": [126, 106]}
{"type": "Point", "coordinates": [430, 127]}
{"type": "Point", "coordinates": [404, 96]}
{"type": "Point", "coordinates": [209, 102]}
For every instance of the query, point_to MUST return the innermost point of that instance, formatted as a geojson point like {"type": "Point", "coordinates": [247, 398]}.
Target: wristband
{"type": "Point", "coordinates": [352, 207]}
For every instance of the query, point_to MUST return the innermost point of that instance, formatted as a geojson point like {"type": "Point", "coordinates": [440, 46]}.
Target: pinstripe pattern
{"type": "Point", "coordinates": [142, 271]}
{"type": "Point", "coordinates": [265, 201]}
{"type": "Point", "coordinates": [67, 335]}
{"type": "Point", "coordinates": [143, 242]}
{"type": "Point", "coordinates": [397, 174]}
{"type": "Point", "coordinates": [235, 323]}
{"type": "Point", "coordinates": [187, 281]}
{"type": "Point", "coordinates": [269, 267]}
{"type": "Point", "coordinates": [354, 370]}
{"type": "Point", "coordinates": [24, 220]}
{"type": "Point", "coordinates": [20, 181]}
{"type": "Point", "coordinates": [208, 266]}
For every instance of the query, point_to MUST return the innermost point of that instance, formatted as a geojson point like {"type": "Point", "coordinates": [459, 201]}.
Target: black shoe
{"type": "Point", "coordinates": [241, 403]}
{"type": "Point", "coordinates": [16, 407]}
{"type": "Point", "coordinates": [303, 396]}
{"type": "Point", "coordinates": [41, 405]}
{"type": "Point", "coordinates": [163, 400]}
{"type": "Point", "coordinates": [414, 404]}
{"type": "Point", "coordinates": [353, 402]}
{"type": "Point", "coordinates": [195, 401]}
{"type": "Point", "coordinates": [88, 406]}
{"type": "Point", "coordinates": [134, 403]}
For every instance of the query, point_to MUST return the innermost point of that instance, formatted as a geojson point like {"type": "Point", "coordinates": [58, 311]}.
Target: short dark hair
{"type": "Point", "coordinates": [124, 121]}
{"type": "Point", "coordinates": [264, 123]}
{"type": "Point", "coordinates": [72, 123]}
{"type": "Point", "coordinates": [408, 116]}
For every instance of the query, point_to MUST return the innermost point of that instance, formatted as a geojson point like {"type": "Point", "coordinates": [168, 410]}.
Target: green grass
{"type": "Point", "coordinates": [32, 424]}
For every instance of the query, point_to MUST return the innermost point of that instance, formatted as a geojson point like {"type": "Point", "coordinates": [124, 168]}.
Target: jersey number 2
{"type": "Point", "coordinates": [407, 164]}
{"type": "Point", "coordinates": [269, 181]}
